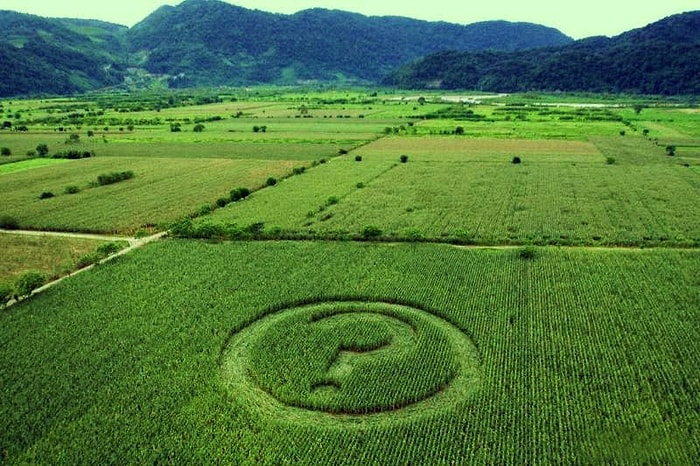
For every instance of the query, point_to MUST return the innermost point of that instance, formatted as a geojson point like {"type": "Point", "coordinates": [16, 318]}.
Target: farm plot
{"type": "Point", "coordinates": [161, 190]}
{"type": "Point", "coordinates": [469, 191]}
{"type": "Point", "coordinates": [554, 356]}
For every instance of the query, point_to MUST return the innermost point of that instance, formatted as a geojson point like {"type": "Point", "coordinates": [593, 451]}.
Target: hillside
{"type": "Point", "coordinates": [58, 56]}
{"type": "Point", "coordinates": [210, 42]}
{"type": "Point", "coordinates": [662, 58]}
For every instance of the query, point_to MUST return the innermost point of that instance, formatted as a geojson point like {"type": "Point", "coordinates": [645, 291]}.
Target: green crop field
{"type": "Point", "coordinates": [352, 277]}
{"type": "Point", "coordinates": [351, 353]}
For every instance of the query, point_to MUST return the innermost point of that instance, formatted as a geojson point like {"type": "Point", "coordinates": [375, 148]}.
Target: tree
{"type": "Point", "coordinates": [670, 151]}
{"type": "Point", "coordinates": [42, 150]}
{"type": "Point", "coordinates": [404, 158]}
{"type": "Point", "coordinates": [5, 151]}
{"type": "Point", "coordinates": [198, 128]}
{"type": "Point", "coordinates": [638, 108]}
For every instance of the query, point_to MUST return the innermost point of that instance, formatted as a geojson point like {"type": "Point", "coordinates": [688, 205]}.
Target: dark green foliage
{"type": "Point", "coordinates": [42, 150]}
{"type": "Point", "coordinates": [7, 292]}
{"type": "Point", "coordinates": [371, 232]}
{"type": "Point", "coordinates": [73, 154]}
{"type": "Point", "coordinates": [72, 189]}
{"type": "Point", "coordinates": [516, 160]}
{"type": "Point", "coordinates": [239, 193]}
{"type": "Point", "coordinates": [73, 139]}
{"type": "Point", "coordinates": [403, 158]}
{"type": "Point", "coordinates": [299, 170]}
{"type": "Point", "coordinates": [333, 200]}
{"type": "Point", "coordinates": [662, 58]}
{"type": "Point", "coordinates": [271, 181]}
{"type": "Point", "coordinates": [610, 160]}
{"type": "Point", "coordinates": [358, 158]}
{"type": "Point", "coordinates": [114, 177]}
{"type": "Point", "coordinates": [46, 195]}
{"type": "Point", "coordinates": [107, 249]}
{"type": "Point", "coordinates": [8, 222]}
{"type": "Point", "coordinates": [6, 151]}
{"type": "Point", "coordinates": [175, 127]}
{"type": "Point", "coordinates": [259, 129]}
{"type": "Point", "coordinates": [670, 150]}
{"type": "Point", "coordinates": [222, 202]}
{"type": "Point", "coordinates": [527, 253]}
{"type": "Point", "coordinates": [198, 128]}
{"type": "Point", "coordinates": [28, 282]}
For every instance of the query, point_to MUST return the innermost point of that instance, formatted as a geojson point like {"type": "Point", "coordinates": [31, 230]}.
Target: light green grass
{"type": "Point", "coordinates": [28, 165]}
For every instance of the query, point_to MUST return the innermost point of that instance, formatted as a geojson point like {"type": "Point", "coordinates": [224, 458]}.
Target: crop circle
{"type": "Point", "coordinates": [350, 360]}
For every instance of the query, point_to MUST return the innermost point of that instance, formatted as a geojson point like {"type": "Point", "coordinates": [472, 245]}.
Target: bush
{"type": "Point", "coordinates": [72, 189]}
{"type": "Point", "coordinates": [198, 128]}
{"type": "Point", "coordinates": [42, 150]}
{"type": "Point", "coordinates": [358, 158]}
{"type": "Point", "coordinates": [7, 292]}
{"type": "Point", "coordinates": [6, 151]}
{"type": "Point", "coordinates": [332, 200]}
{"type": "Point", "coordinates": [371, 232]}
{"type": "Point", "coordinates": [221, 202]}
{"type": "Point", "coordinates": [527, 253]}
{"type": "Point", "coordinates": [175, 127]}
{"type": "Point", "coordinates": [28, 282]}
{"type": "Point", "coordinates": [114, 177]}
{"type": "Point", "coordinates": [46, 195]}
{"type": "Point", "coordinates": [8, 222]}
{"type": "Point", "coordinates": [299, 170]}
{"type": "Point", "coordinates": [404, 158]}
{"type": "Point", "coordinates": [73, 155]}
{"type": "Point", "coordinates": [239, 193]}
{"type": "Point", "coordinates": [670, 151]}
{"type": "Point", "coordinates": [271, 181]}
{"type": "Point", "coordinates": [107, 249]}
{"type": "Point", "coordinates": [516, 160]}
{"type": "Point", "coordinates": [610, 160]}
{"type": "Point", "coordinates": [360, 185]}
{"type": "Point", "coordinates": [342, 152]}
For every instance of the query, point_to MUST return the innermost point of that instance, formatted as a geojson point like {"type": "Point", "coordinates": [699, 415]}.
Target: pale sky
{"type": "Point", "coordinates": [578, 19]}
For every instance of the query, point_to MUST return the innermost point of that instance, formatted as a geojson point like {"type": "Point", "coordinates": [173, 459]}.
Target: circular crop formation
{"type": "Point", "coordinates": [347, 360]}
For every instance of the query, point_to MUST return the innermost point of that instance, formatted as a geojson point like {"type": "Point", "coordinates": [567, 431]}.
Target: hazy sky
{"type": "Point", "coordinates": [576, 18]}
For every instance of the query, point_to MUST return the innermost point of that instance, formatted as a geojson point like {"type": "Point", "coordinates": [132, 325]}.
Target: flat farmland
{"type": "Point", "coordinates": [563, 356]}
{"type": "Point", "coordinates": [162, 189]}
{"type": "Point", "coordinates": [468, 190]}
{"type": "Point", "coordinates": [353, 277]}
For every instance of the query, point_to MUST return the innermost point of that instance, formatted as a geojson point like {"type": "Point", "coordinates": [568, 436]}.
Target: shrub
{"type": "Point", "coordinates": [114, 177]}
{"type": "Point", "coordinates": [198, 128]}
{"type": "Point", "coordinates": [404, 158]}
{"type": "Point", "coordinates": [271, 181]}
{"type": "Point", "coordinates": [610, 160]}
{"type": "Point", "coordinates": [342, 152]}
{"type": "Point", "coordinates": [46, 195]}
{"type": "Point", "coordinates": [42, 150]}
{"type": "Point", "coordinates": [299, 170]}
{"type": "Point", "coordinates": [360, 185]}
{"type": "Point", "coordinates": [107, 249]}
{"type": "Point", "coordinates": [239, 193]}
{"type": "Point", "coordinates": [516, 160]}
{"type": "Point", "coordinates": [527, 253]}
{"type": "Point", "coordinates": [175, 127]}
{"type": "Point", "coordinates": [8, 222]}
{"type": "Point", "coordinates": [73, 139]}
{"type": "Point", "coordinates": [72, 189]}
{"type": "Point", "coordinates": [7, 292]}
{"type": "Point", "coordinates": [332, 200]}
{"type": "Point", "coordinates": [371, 232]}
{"type": "Point", "coordinates": [6, 151]}
{"type": "Point", "coordinates": [459, 130]}
{"type": "Point", "coordinates": [28, 282]}
{"type": "Point", "coordinates": [670, 151]}
{"type": "Point", "coordinates": [72, 155]}
{"type": "Point", "coordinates": [90, 133]}
{"type": "Point", "coordinates": [221, 202]}
{"type": "Point", "coordinates": [622, 133]}
{"type": "Point", "coordinates": [358, 158]}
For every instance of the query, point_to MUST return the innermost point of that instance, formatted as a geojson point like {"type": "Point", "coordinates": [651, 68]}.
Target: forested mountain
{"type": "Point", "coordinates": [662, 58]}
{"type": "Point", "coordinates": [210, 42]}
{"type": "Point", "coordinates": [58, 56]}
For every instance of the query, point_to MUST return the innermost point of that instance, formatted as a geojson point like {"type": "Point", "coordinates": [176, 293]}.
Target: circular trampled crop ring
{"type": "Point", "coordinates": [350, 361]}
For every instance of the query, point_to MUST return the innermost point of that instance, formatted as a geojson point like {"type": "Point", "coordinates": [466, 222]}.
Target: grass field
{"type": "Point", "coordinates": [400, 291]}
{"type": "Point", "coordinates": [53, 256]}
{"type": "Point", "coordinates": [578, 356]}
